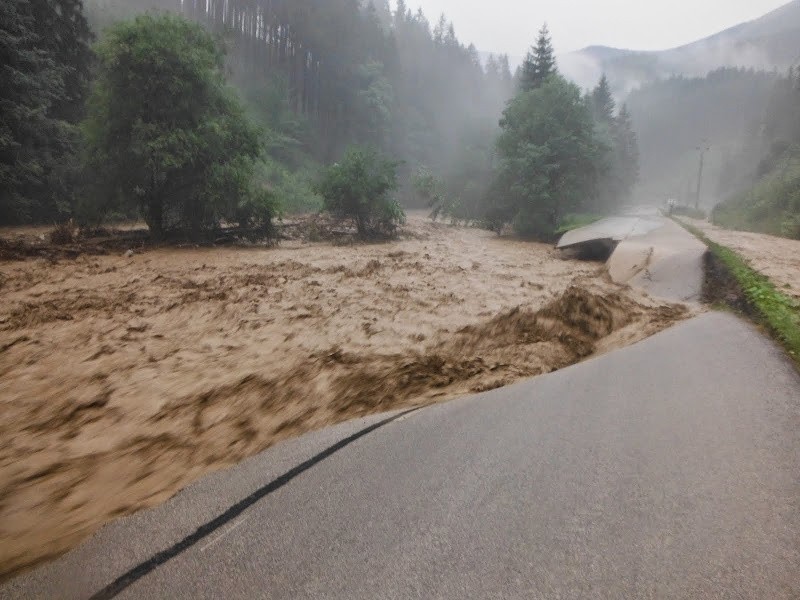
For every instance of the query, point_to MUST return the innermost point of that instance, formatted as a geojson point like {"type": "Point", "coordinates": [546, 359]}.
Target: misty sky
{"type": "Point", "coordinates": [511, 25]}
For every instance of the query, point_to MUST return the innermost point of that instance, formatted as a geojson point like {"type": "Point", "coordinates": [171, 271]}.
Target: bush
{"type": "Point", "coordinates": [294, 191]}
{"type": "Point", "coordinates": [63, 233]}
{"type": "Point", "coordinates": [359, 188]}
{"type": "Point", "coordinates": [430, 189]}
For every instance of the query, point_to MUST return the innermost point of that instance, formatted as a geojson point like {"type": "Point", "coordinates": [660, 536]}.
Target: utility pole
{"type": "Point", "coordinates": [703, 149]}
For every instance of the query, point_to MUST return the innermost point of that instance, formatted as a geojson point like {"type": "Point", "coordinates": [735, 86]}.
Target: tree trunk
{"type": "Point", "coordinates": [155, 217]}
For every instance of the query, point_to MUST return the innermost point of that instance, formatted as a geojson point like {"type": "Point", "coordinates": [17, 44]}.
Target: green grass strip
{"type": "Point", "coordinates": [575, 221]}
{"type": "Point", "coordinates": [779, 313]}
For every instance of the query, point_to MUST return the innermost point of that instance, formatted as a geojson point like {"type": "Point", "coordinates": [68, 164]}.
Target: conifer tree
{"type": "Point", "coordinates": [44, 62]}
{"type": "Point", "coordinates": [539, 64]}
{"type": "Point", "coordinates": [602, 100]}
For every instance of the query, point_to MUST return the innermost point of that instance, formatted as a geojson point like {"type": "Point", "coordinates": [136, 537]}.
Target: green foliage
{"type": "Point", "coordinates": [619, 165]}
{"type": "Point", "coordinates": [539, 64]}
{"type": "Point", "coordinates": [549, 157]}
{"type": "Point", "coordinates": [286, 134]}
{"type": "Point", "coordinates": [626, 151]}
{"type": "Point", "coordinates": [359, 187]}
{"type": "Point", "coordinates": [779, 313]}
{"type": "Point", "coordinates": [375, 97]}
{"type": "Point", "coordinates": [293, 190]}
{"type": "Point", "coordinates": [431, 190]}
{"type": "Point", "coordinates": [603, 105]}
{"type": "Point", "coordinates": [772, 206]}
{"type": "Point", "coordinates": [767, 198]}
{"type": "Point", "coordinates": [321, 76]}
{"type": "Point", "coordinates": [576, 221]}
{"type": "Point", "coordinates": [165, 133]}
{"type": "Point", "coordinates": [44, 65]}
{"type": "Point", "coordinates": [64, 35]}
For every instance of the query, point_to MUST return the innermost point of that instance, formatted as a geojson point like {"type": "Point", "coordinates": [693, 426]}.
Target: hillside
{"type": "Point", "coordinates": [771, 41]}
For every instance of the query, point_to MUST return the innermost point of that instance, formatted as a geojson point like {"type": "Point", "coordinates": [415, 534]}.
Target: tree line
{"type": "Point", "coordinates": [315, 76]}
{"type": "Point", "coordinates": [677, 117]}
{"type": "Point", "coordinates": [220, 111]}
{"type": "Point", "coordinates": [45, 61]}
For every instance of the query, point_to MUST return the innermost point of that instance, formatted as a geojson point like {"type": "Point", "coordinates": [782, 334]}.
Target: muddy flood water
{"type": "Point", "coordinates": [125, 378]}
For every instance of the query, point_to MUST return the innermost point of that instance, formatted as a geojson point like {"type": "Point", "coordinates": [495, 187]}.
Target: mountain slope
{"type": "Point", "coordinates": [769, 42]}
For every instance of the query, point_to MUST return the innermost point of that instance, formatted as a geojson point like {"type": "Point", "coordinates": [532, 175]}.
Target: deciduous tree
{"type": "Point", "coordinates": [165, 133]}
{"type": "Point", "coordinates": [549, 157]}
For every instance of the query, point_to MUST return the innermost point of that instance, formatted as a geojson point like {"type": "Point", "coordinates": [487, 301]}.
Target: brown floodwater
{"type": "Point", "coordinates": [126, 378]}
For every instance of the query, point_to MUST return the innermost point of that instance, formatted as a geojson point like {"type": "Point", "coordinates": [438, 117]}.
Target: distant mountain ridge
{"type": "Point", "coordinates": [769, 42]}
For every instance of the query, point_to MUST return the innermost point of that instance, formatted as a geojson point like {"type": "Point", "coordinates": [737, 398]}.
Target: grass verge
{"type": "Point", "coordinates": [776, 311]}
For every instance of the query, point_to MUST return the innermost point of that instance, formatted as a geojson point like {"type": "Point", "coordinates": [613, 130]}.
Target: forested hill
{"type": "Point", "coordinates": [325, 74]}
{"type": "Point", "coordinates": [196, 115]}
{"type": "Point", "coordinates": [770, 42]}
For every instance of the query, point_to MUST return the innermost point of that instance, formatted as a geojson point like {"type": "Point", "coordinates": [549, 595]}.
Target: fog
{"type": "Point", "coordinates": [396, 81]}
{"type": "Point", "coordinates": [714, 92]}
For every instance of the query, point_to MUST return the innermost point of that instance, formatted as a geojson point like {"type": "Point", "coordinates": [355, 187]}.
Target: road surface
{"type": "Point", "coordinates": [669, 469]}
{"type": "Point", "coordinates": [650, 252]}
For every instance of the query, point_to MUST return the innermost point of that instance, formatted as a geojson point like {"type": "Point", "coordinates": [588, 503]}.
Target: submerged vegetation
{"type": "Point", "coordinates": [358, 188]}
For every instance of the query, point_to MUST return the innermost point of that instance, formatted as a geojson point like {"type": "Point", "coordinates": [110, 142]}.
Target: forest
{"type": "Point", "coordinates": [746, 125]}
{"type": "Point", "coordinates": [197, 115]}
{"type": "Point", "coordinates": [767, 198]}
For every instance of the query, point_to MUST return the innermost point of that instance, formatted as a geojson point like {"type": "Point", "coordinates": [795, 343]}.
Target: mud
{"type": "Point", "coordinates": [720, 287]}
{"type": "Point", "coordinates": [127, 377]}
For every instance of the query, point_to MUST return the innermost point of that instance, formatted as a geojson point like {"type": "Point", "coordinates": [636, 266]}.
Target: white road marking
{"type": "Point", "coordinates": [222, 535]}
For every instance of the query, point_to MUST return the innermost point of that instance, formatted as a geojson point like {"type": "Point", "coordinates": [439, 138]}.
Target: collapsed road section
{"type": "Point", "coordinates": [650, 253]}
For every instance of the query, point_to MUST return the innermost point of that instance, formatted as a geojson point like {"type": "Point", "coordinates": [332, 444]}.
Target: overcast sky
{"type": "Point", "coordinates": [511, 25]}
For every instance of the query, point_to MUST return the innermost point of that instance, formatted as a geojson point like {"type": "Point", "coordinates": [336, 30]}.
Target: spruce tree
{"type": "Point", "coordinates": [603, 104]}
{"type": "Point", "coordinates": [44, 62]}
{"type": "Point", "coordinates": [539, 63]}
{"type": "Point", "coordinates": [527, 73]}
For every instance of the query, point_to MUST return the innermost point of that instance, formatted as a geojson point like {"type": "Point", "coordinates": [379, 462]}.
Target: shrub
{"type": "Point", "coordinates": [359, 188]}
{"type": "Point", "coordinates": [63, 233]}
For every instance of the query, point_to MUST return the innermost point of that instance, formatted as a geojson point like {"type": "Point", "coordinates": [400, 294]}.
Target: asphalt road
{"type": "Point", "coordinates": [669, 469]}
{"type": "Point", "coordinates": [650, 252]}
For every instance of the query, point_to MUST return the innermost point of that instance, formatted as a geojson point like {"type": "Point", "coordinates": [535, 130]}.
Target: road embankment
{"type": "Point", "coordinates": [739, 279]}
